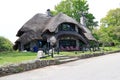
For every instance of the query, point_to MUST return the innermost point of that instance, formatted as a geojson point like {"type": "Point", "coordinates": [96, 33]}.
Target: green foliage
{"type": "Point", "coordinates": [90, 23]}
{"type": "Point", "coordinates": [115, 34]}
{"type": "Point", "coordinates": [112, 18]}
{"type": "Point", "coordinates": [5, 44]}
{"type": "Point", "coordinates": [109, 31]}
{"type": "Point", "coordinates": [74, 9]}
{"type": "Point", "coordinates": [111, 49]}
{"type": "Point", "coordinates": [103, 36]}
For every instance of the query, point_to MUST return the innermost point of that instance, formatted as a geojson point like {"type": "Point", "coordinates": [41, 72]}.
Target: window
{"type": "Point", "coordinates": [68, 42]}
{"type": "Point", "coordinates": [66, 27]}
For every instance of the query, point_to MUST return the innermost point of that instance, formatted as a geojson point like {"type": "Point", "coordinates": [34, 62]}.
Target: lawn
{"type": "Point", "coordinates": [15, 57]}
{"type": "Point", "coordinates": [69, 53]}
{"type": "Point", "coordinates": [78, 53]}
{"type": "Point", "coordinates": [7, 58]}
{"type": "Point", "coordinates": [111, 48]}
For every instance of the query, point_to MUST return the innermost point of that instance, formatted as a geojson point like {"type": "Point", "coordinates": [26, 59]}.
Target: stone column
{"type": "Point", "coordinates": [21, 47]}
{"type": "Point", "coordinates": [76, 28]}
{"type": "Point", "coordinates": [77, 43]}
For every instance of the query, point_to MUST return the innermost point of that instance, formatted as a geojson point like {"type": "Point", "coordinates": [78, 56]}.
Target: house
{"type": "Point", "coordinates": [60, 31]}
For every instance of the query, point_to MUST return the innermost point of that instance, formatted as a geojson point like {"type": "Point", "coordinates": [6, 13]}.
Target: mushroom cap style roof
{"type": "Point", "coordinates": [39, 23]}
{"type": "Point", "coordinates": [36, 23]}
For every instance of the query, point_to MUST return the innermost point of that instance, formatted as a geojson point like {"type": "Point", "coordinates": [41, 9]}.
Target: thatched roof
{"type": "Point", "coordinates": [68, 33]}
{"type": "Point", "coordinates": [88, 34]}
{"type": "Point", "coordinates": [40, 23]}
{"type": "Point", "coordinates": [55, 21]}
{"type": "Point", "coordinates": [36, 23]}
{"type": "Point", "coordinates": [28, 36]}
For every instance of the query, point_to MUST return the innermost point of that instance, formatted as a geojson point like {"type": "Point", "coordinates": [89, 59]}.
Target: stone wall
{"type": "Point", "coordinates": [16, 68]}
{"type": "Point", "coordinates": [34, 64]}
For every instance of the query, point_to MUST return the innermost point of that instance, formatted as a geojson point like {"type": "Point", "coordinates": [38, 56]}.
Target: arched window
{"type": "Point", "coordinates": [67, 27]}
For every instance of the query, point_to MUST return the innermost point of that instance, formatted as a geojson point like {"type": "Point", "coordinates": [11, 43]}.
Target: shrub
{"type": "Point", "coordinates": [5, 44]}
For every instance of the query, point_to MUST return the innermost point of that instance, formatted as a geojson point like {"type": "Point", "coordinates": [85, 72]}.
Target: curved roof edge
{"type": "Point", "coordinates": [59, 19]}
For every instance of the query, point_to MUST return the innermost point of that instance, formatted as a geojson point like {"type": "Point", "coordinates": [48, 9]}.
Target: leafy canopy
{"type": "Point", "coordinates": [109, 31]}
{"type": "Point", "coordinates": [5, 44]}
{"type": "Point", "coordinates": [112, 18]}
{"type": "Point", "coordinates": [74, 9]}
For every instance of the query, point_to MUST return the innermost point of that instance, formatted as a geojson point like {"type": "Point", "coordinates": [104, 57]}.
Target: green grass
{"type": "Point", "coordinates": [111, 48]}
{"type": "Point", "coordinates": [78, 53]}
{"type": "Point", "coordinates": [75, 53]}
{"type": "Point", "coordinates": [15, 57]}
{"type": "Point", "coordinates": [7, 58]}
{"type": "Point", "coordinates": [71, 53]}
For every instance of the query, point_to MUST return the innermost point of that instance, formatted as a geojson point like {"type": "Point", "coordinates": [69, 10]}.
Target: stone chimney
{"type": "Point", "coordinates": [49, 14]}
{"type": "Point", "coordinates": [82, 20]}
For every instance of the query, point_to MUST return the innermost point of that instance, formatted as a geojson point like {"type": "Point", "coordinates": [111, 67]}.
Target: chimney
{"type": "Point", "coordinates": [49, 14]}
{"type": "Point", "coordinates": [82, 19]}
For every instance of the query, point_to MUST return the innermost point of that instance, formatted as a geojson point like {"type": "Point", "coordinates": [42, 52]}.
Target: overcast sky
{"type": "Point", "coordinates": [14, 13]}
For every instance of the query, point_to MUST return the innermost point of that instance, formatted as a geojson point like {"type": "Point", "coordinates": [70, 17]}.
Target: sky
{"type": "Point", "coordinates": [15, 13]}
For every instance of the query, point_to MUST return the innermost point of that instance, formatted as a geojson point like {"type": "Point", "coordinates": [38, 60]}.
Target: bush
{"type": "Point", "coordinates": [5, 44]}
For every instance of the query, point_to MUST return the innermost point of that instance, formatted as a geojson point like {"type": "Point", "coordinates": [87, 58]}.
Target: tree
{"type": "Point", "coordinates": [102, 35]}
{"type": "Point", "coordinates": [74, 9]}
{"type": "Point", "coordinates": [109, 31]}
{"type": "Point", "coordinates": [112, 18]}
{"type": "Point", "coordinates": [5, 44]}
{"type": "Point", "coordinates": [112, 22]}
{"type": "Point", "coordinates": [116, 34]}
